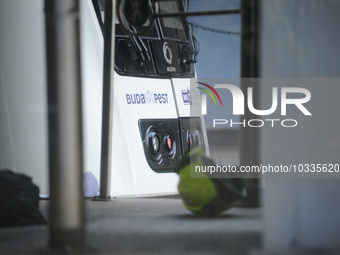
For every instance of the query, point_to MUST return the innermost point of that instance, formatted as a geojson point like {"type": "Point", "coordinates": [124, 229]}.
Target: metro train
{"type": "Point", "coordinates": [154, 120]}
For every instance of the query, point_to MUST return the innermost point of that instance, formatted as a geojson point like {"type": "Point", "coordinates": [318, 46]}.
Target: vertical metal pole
{"type": "Point", "coordinates": [66, 226]}
{"type": "Point", "coordinates": [249, 69]}
{"type": "Point", "coordinates": [249, 39]}
{"type": "Point", "coordinates": [107, 109]}
{"type": "Point", "coordinates": [249, 137]}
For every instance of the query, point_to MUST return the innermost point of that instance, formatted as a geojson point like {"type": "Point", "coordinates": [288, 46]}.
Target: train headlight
{"type": "Point", "coordinates": [169, 143]}
{"type": "Point", "coordinates": [154, 143]}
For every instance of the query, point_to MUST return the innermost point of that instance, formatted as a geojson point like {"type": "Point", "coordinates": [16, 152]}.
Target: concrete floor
{"type": "Point", "coordinates": [148, 226]}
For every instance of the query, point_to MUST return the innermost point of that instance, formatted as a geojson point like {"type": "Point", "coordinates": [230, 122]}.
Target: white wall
{"type": "Point", "coordinates": [23, 122]}
{"type": "Point", "coordinates": [301, 39]}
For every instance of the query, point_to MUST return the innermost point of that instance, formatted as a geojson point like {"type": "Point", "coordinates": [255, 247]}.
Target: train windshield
{"type": "Point", "coordinates": [162, 51]}
{"type": "Point", "coordinates": [173, 27]}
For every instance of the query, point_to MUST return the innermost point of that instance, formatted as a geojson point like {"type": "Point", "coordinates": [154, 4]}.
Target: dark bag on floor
{"type": "Point", "coordinates": [19, 199]}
